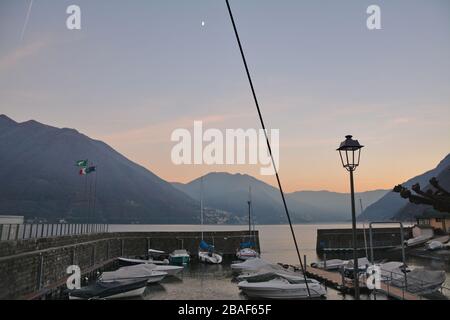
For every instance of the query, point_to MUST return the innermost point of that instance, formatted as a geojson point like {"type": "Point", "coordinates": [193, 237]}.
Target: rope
{"type": "Point", "coordinates": [268, 143]}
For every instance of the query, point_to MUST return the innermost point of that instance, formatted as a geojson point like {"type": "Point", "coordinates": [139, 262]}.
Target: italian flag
{"type": "Point", "coordinates": [81, 163]}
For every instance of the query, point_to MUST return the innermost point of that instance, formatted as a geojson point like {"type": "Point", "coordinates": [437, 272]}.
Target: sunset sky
{"type": "Point", "coordinates": [138, 70]}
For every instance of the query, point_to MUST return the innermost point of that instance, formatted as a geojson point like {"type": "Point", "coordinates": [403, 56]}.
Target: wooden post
{"type": "Point", "coordinates": [304, 260]}
{"type": "Point", "coordinates": [325, 261]}
{"type": "Point", "coordinates": [40, 271]}
{"type": "Point", "coordinates": [93, 254]}
{"type": "Point", "coordinates": [73, 255]}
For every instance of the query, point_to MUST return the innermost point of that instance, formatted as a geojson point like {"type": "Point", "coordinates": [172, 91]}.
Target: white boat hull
{"type": "Point", "coordinates": [127, 294]}
{"type": "Point", "coordinates": [281, 289]}
{"type": "Point", "coordinates": [170, 270]}
{"type": "Point", "coordinates": [206, 257]}
{"type": "Point", "coordinates": [247, 253]}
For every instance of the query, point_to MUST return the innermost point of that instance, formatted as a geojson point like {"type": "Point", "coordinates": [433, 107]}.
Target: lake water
{"type": "Point", "coordinates": [201, 281]}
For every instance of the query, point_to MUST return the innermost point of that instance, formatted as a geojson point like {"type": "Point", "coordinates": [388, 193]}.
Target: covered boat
{"type": "Point", "coordinates": [250, 265]}
{"type": "Point", "coordinates": [110, 290]}
{"type": "Point", "coordinates": [421, 281]}
{"type": "Point", "coordinates": [434, 245]}
{"type": "Point", "coordinates": [264, 275]}
{"type": "Point", "coordinates": [132, 262]}
{"type": "Point", "coordinates": [417, 241]}
{"type": "Point", "coordinates": [140, 271]}
{"type": "Point", "coordinates": [393, 270]}
{"type": "Point", "coordinates": [282, 288]}
{"type": "Point", "coordinates": [332, 264]}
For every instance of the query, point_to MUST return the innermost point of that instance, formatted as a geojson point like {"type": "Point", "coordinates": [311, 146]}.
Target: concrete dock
{"type": "Point", "coordinates": [337, 281]}
{"type": "Point", "coordinates": [36, 268]}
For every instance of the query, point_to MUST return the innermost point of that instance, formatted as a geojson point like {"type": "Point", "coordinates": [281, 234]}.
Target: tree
{"type": "Point", "coordinates": [439, 198]}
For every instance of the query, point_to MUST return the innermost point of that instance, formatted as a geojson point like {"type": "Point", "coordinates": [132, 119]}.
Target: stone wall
{"type": "Point", "coordinates": [35, 265]}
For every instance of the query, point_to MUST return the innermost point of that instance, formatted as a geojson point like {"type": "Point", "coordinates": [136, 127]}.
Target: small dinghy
{"type": "Point", "coordinates": [247, 249]}
{"type": "Point", "coordinates": [140, 271]}
{"type": "Point", "coordinates": [179, 257]}
{"type": "Point", "coordinates": [247, 253]}
{"type": "Point", "coordinates": [333, 264]}
{"type": "Point", "coordinates": [110, 290]}
{"type": "Point", "coordinates": [209, 257]}
{"type": "Point", "coordinates": [206, 254]}
{"type": "Point", "coordinates": [282, 288]}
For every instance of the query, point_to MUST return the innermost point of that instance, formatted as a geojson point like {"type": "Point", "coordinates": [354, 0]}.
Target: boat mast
{"type": "Point", "coordinates": [364, 227]}
{"type": "Point", "coordinates": [201, 204]}
{"type": "Point", "coordinates": [249, 202]}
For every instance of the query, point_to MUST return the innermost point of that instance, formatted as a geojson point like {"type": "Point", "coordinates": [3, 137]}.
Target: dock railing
{"type": "Point", "coordinates": [10, 232]}
{"type": "Point", "coordinates": [408, 285]}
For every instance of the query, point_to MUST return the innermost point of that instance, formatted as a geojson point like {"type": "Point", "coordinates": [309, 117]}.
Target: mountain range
{"type": "Point", "coordinates": [392, 206]}
{"type": "Point", "coordinates": [40, 181]}
{"type": "Point", "coordinates": [230, 192]}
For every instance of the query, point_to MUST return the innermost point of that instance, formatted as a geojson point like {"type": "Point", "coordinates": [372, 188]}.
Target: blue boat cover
{"type": "Point", "coordinates": [203, 245]}
{"type": "Point", "coordinates": [248, 244]}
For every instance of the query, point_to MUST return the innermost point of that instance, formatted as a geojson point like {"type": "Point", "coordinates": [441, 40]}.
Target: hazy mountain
{"type": "Point", "coordinates": [337, 206]}
{"type": "Point", "coordinates": [229, 192]}
{"type": "Point", "coordinates": [39, 179]}
{"type": "Point", "coordinates": [392, 204]}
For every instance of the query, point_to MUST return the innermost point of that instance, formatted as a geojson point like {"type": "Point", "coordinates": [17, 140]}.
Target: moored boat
{"type": "Point", "coordinates": [247, 253]}
{"type": "Point", "coordinates": [421, 281]}
{"type": "Point", "coordinates": [206, 252]}
{"type": "Point", "coordinates": [417, 241]}
{"type": "Point", "coordinates": [110, 290]}
{"type": "Point", "coordinates": [251, 265]}
{"type": "Point", "coordinates": [332, 264]}
{"type": "Point", "coordinates": [179, 257]}
{"type": "Point", "coordinates": [158, 257]}
{"type": "Point", "coordinates": [131, 262]}
{"type": "Point", "coordinates": [170, 270]}
{"type": "Point", "coordinates": [282, 288]}
{"type": "Point", "coordinates": [140, 271]}
{"type": "Point", "coordinates": [209, 257]}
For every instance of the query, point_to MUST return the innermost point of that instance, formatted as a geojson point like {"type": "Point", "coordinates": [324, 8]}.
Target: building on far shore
{"type": "Point", "coordinates": [438, 221]}
{"type": "Point", "coordinates": [11, 219]}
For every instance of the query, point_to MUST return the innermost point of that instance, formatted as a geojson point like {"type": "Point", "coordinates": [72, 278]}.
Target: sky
{"type": "Point", "coordinates": [137, 70]}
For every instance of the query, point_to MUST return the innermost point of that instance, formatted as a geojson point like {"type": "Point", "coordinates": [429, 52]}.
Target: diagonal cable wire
{"type": "Point", "coordinates": [268, 144]}
{"type": "Point", "coordinates": [27, 18]}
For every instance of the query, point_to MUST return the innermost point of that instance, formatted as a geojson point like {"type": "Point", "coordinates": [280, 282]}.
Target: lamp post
{"type": "Point", "coordinates": [350, 152]}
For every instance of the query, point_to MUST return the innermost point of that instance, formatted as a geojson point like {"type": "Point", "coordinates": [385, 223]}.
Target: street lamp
{"type": "Point", "coordinates": [350, 152]}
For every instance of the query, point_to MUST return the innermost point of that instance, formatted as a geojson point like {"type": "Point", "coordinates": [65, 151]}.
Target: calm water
{"type": "Point", "coordinates": [201, 281]}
